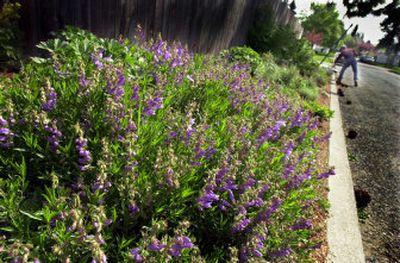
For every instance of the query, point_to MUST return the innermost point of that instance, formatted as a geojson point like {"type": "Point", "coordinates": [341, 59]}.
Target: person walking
{"type": "Point", "coordinates": [349, 56]}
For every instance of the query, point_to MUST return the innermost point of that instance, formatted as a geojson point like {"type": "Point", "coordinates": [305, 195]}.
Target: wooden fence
{"type": "Point", "coordinates": [204, 25]}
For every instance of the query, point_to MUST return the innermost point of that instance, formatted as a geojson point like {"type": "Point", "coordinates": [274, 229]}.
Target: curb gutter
{"type": "Point", "coordinates": [344, 237]}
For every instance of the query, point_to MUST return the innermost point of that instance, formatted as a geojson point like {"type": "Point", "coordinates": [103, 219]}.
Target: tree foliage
{"type": "Point", "coordinates": [324, 20]}
{"type": "Point", "coordinates": [390, 25]}
{"type": "Point", "coordinates": [314, 37]}
{"type": "Point", "coordinates": [293, 6]}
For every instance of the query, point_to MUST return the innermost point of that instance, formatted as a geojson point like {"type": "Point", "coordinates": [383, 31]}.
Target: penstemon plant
{"type": "Point", "coordinates": [114, 151]}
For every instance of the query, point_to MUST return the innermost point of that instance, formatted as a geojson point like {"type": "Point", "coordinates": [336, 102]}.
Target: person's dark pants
{"type": "Point", "coordinates": [349, 62]}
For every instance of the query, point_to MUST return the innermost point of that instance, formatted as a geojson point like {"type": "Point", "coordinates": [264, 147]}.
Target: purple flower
{"type": "Point", "coordinates": [224, 204]}
{"type": "Point", "coordinates": [266, 135]}
{"type": "Point", "coordinates": [296, 181]}
{"type": "Point", "coordinates": [284, 252]}
{"type": "Point", "coordinates": [258, 202]}
{"type": "Point", "coordinates": [84, 154]}
{"type": "Point", "coordinates": [241, 225]}
{"type": "Point", "coordinates": [266, 214]}
{"type": "Point", "coordinates": [207, 199]}
{"type": "Point", "coordinates": [96, 59]}
{"type": "Point", "coordinates": [169, 173]}
{"type": "Point", "coordinates": [263, 189]}
{"type": "Point", "coordinates": [288, 149]}
{"type": "Point", "coordinates": [121, 80]}
{"type": "Point", "coordinates": [83, 82]}
{"type": "Point", "coordinates": [54, 137]}
{"type": "Point", "coordinates": [17, 260]}
{"type": "Point", "coordinates": [247, 185]}
{"type": "Point", "coordinates": [190, 130]}
{"type": "Point", "coordinates": [135, 95]}
{"type": "Point", "coordinates": [49, 103]}
{"type": "Point", "coordinates": [289, 169]}
{"type": "Point", "coordinates": [156, 246]}
{"type": "Point", "coordinates": [298, 119]}
{"type": "Point", "coordinates": [257, 253]}
{"type": "Point", "coordinates": [153, 105]}
{"type": "Point", "coordinates": [6, 135]}
{"type": "Point", "coordinates": [136, 255]}
{"type": "Point", "coordinates": [243, 254]}
{"type": "Point", "coordinates": [229, 184]}
{"type": "Point", "coordinates": [220, 175]}
{"type": "Point", "coordinates": [133, 209]}
{"type": "Point", "coordinates": [108, 222]}
{"type": "Point", "coordinates": [302, 224]}
{"type": "Point", "coordinates": [181, 242]}
{"type": "Point", "coordinates": [5, 131]}
{"type": "Point", "coordinates": [326, 174]}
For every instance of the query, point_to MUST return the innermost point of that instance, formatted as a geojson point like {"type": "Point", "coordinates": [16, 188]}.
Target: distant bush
{"type": "Point", "coordinates": [10, 36]}
{"type": "Point", "coordinates": [120, 152]}
{"type": "Point", "coordinates": [281, 41]}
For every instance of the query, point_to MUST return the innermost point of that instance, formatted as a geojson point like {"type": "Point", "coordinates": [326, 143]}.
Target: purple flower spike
{"type": "Point", "coordinates": [50, 101]}
{"type": "Point", "coordinates": [181, 242]}
{"type": "Point", "coordinates": [266, 214]}
{"type": "Point", "coordinates": [241, 225]}
{"type": "Point", "coordinates": [288, 149]}
{"type": "Point", "coordinates": [302, 224]}
{"type": "Point", "coordinates": [153, 105]}
{"type": "Point", "coordinates": [84, 154]}
{"type": "Point", "coordinates": [133, 209]}
{"type": "Point", "coordinates": [284, 252]}
{"type": "Point", "coordinates": [121, 80]}
{"type": "Point", "coordinates": [136, 255]}
{"type": "Point", "coordinates": [108, 222]}
{"type": "Point", "coordinates": [326, 174]}
{"type": "Point", "coordinates": [207, 199]}
{"type": "Point", "coordinates": [156, 246]}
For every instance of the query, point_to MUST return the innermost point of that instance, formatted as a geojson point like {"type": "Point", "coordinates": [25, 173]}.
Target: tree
{"type": "Point", "coordinates": [314, 37]}
{"type": "Point", "coordinates": [324, 20]}
{"type": "Point", "coordinates": [352, 41]}
{"type": "Point", "coordinates": [390, 25]}
{"type": "Point", "coordinates": [366, 46]}
{"type": "Point", "coordinates": [293, 6]}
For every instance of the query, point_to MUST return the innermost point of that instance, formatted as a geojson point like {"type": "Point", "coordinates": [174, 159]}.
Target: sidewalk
{"type": "Point", "coordinates": [344, 238]}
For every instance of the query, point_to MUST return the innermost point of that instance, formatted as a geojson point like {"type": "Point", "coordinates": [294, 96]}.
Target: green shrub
{"type": "Point", "coordinates": [282, 42]}
{"type": "Point", "coordinates": [269, 70]}
{"type": "Point", "coordinates": [244, 55]}
{"type": "Point", "coordinates": [319, 110]}
{"type": "Point", "coordinates": [307, 90]}
{"type": "Point", "coordinates": [120, 152]}
{"type": "Point", "coordinates": [10, 36]}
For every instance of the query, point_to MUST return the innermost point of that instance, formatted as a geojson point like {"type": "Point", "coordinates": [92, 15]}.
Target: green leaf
{"type": "Point", "coordinates": [187, 192]}
{"type": "Point", "coordinates": [30, 215]}
{"type": "Point", "coordinates": [7, 229]}
{"type": "Point", "coordinates": [39, 60]}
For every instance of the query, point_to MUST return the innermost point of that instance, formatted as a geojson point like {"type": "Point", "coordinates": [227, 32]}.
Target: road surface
{"type": "Point", "coordinates": [372, 110]}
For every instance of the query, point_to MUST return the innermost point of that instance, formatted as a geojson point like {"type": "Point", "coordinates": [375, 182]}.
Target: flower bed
{"type": "Point", "coordinates": [114, 152]}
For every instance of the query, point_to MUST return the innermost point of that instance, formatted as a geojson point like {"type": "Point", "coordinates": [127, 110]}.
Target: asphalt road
{"type": "Point", "coordinates": [372, 110]}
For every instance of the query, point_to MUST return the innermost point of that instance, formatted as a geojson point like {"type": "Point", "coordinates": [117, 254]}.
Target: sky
{"type": "Point", "coordinates": [368, 25]}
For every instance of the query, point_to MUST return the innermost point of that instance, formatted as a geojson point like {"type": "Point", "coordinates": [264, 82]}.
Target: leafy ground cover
{"type": "Point", "coordinates": [320, 57]}
{"type": "Point", "coordinates": [121, 152]}
{"type": "Point", "coordinates": [395, 70]}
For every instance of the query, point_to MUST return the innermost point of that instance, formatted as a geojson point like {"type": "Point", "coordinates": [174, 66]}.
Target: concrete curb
{"type": "Point", "coordinates": [344, 237]}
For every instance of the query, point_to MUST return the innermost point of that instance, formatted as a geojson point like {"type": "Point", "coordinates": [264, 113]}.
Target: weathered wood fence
{"type": "Point", "coordinates": [204, 25]}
